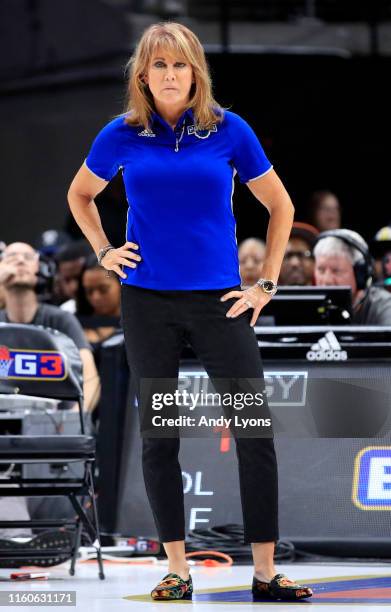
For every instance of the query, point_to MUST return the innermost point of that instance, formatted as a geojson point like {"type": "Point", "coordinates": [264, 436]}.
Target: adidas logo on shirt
{"type": "Point", "coordinates": [147, 133]}
{"type": "Point", "coordinates": [327, 349]}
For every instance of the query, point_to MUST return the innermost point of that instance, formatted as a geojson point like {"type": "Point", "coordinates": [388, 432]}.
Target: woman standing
{"type": "Point", "coordinates": [179, 152]}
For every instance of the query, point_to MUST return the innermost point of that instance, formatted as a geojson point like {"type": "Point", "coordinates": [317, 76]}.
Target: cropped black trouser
{"type": "Point", "coordinates": [155, 324]}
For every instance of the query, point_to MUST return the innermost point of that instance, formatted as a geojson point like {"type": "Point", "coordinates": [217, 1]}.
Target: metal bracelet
{"type": "Point", "coordinates": [102, 252]}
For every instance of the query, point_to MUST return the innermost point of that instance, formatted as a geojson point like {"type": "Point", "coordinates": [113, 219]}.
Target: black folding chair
{"type": "Point", "coordinates": [43, 362]}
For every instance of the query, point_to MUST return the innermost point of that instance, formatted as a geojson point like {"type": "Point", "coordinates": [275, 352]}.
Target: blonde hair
{"type": "Point", "coordinates": [176, 39]}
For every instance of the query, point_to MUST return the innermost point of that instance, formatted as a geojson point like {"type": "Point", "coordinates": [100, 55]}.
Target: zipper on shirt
{"type": "Point", "coordinates": [179, 138]}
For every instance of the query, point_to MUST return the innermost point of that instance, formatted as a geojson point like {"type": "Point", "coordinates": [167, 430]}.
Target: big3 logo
{"type": "Point", "coordinates": [372, 478]}
{"type": "Point", "coordinates": [25, 364]}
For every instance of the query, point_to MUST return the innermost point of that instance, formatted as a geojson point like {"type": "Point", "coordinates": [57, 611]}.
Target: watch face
{"type": "Point", "coordinates": [268, 286]}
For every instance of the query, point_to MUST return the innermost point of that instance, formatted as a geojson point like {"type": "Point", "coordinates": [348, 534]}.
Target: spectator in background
{"type": "Point", "coordinates": [2, 295]}
{"type": "Point", "coordinates": [19, 267]}
{"type": "Point", "coordinates": [324, 210]}
{"type": "Point", "coordinates": [339, 263]}
{"type": "Point", "coordinates": [251, 254]}
{"type": "Point", "coordinates": [50, 241]}
{"type": "Point", "coordinates": [70, 260]}
{"type": "Point", "coordinates": [99, 294]}
{"type": "Point", "coordinates": [381, 250]}
{"type": "Point", "coordinates": [298, 263]}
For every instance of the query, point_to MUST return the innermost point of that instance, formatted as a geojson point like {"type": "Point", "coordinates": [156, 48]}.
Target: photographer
{"type": "Point", "coordinates": [19, 271]}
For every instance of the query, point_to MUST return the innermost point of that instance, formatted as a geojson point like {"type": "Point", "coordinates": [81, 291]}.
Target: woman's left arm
{"type": "Point", "coordinates": [270, 191]}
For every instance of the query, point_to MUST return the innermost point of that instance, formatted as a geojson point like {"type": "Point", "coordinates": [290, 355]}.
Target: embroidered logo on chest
{"type": "Point", "coordinates": [191, 129]}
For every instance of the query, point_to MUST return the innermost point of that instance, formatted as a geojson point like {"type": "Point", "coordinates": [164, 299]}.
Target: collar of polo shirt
{"type": "Point", "coordinates": [187, 117]}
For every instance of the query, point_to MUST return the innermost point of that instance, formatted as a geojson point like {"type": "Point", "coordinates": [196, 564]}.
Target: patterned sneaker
{"type": "Point", "coordinates": [173, 586]}
{"type": "Point", "coordinates": [280, 587]}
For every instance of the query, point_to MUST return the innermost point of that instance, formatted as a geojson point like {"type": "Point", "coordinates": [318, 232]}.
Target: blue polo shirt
{"type": "Point", "coordinates": [179, 186]}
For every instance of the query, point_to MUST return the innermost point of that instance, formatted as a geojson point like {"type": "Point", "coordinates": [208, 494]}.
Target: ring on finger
{"type": "Point", "coordinates": [249, 304]}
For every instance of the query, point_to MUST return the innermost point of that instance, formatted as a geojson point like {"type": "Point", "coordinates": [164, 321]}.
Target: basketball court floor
{"type": "Point", "coordinates": [126, 587]}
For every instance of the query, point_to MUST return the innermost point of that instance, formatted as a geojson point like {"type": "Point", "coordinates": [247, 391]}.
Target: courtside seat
{"type": "Point", "coordinates": [62, 448]}
{"type": "Point", "coordinates": [42, 362]}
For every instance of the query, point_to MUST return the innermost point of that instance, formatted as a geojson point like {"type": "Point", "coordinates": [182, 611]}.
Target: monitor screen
{"type": "Point", "coordinates": [296, 305]}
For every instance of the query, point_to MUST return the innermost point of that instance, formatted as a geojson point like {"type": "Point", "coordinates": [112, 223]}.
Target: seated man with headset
{"type": "Point", "coordinates": [342, 258]}
{"type": "Point", "coordinates": [19, 273]}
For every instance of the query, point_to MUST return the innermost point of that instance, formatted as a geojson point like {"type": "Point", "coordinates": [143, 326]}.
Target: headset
{"type": "Point", "coordinates": [363, 270]}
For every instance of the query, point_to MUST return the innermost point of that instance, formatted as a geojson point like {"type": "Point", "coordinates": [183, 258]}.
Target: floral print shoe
{"type": "Point", "coordinates": [173, 586]}
{"type": "Point", "coordinates": [280, 587]}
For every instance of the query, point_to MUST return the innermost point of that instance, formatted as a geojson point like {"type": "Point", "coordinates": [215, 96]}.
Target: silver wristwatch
{"type": "Point", "coordinates": [268, 286]}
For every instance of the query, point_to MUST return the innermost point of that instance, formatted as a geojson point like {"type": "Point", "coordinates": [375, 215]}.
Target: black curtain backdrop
{"type": "Point", "coordinates": [323, 121]}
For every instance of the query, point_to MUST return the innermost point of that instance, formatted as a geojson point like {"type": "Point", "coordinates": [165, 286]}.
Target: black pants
{"type": "Point", "coordinates": [155, 324]}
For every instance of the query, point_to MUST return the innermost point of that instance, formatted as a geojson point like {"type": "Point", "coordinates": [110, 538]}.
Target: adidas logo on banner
{"type": "Point", "coordinates": [327, 349]}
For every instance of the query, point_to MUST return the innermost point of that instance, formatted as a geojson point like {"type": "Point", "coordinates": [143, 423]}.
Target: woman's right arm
{"type": "Point", "coordinates": [82, 191]}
